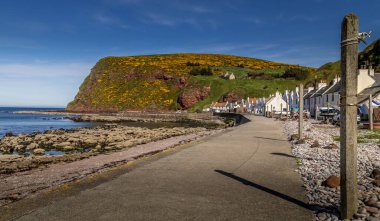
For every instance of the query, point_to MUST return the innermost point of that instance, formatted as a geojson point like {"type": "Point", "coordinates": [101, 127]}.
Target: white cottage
{"type": "Point", "coordinates": [274, 104]}
{"type": "Point", "coordinates": [316, 100]}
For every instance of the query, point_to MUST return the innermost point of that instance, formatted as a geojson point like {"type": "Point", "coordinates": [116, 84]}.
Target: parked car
{"type": "Point", "coordinates": [336, 118]}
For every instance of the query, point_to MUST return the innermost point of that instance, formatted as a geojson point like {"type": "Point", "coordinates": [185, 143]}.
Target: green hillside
{"type": "Point", "coordinates": [177, 81]}
{"type": "Point", "coordinates": [371, 53]}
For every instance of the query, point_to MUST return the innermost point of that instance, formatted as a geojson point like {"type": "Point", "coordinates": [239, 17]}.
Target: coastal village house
{"type": "Point", "coordinates": [249, 104]}
{"type": "Point", "coordinates": [306, 100]}
{"type": "Point", "coordinates": [314, 98]}
{"type": "Point", "coordinates": [329, 95]}
{"type": "Point", "coordinates": [260, 106]}
{"type": "Point", "coordinates": [322, 96]}
{"type": "Point", "coordinates": [219, 107]}
{"type": "Point", "coordinates": [274, 104]}
{"type": "Point", "coordinates": [291, 98]}
{"type": "Point", "coordinates": [369, 84]}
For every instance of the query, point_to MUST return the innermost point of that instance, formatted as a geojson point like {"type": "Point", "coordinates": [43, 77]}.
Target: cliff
{"type": "Point", "coordinates": [173, 81]}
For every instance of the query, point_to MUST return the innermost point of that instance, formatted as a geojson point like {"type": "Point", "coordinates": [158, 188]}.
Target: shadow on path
{"type": "Point", "coordinates": [283, 154]}
{"type": "Point", "coordinates": [267, 138]}
{"type": "Point", "coordinates": [265, 189]}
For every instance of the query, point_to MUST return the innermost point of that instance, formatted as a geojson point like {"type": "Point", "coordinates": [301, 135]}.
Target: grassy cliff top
{"type": "Point", "coordinates": [181, 64]}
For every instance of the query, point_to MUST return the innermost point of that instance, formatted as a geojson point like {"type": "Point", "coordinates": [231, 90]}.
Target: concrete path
{"type": "Point", "coordinates": [245, 174]}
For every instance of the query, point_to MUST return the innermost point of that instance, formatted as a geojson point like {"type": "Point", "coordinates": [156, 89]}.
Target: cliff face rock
{"type": "Point", "coordinates": [231, 97]}
{"type": "Point", "coordinates": [193, 95]}
{"type": "Point", "coordinates": [157, 82]}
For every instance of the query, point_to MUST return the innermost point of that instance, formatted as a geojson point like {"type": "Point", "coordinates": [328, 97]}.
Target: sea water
{"type": "Point", "coordinates": [29, 123]}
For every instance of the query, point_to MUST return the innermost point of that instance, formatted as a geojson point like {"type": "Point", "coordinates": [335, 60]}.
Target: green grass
{"type": "Point", "coordinates": [336, 138]}
{"type": "Point", "coordinates": [298, 162]}
{"type": "Point", "coordinates": [360, 139]}
{"type": "Point", "coordinates": [243, 87]}
{"type": "Point", "coordinates": [240, 73]}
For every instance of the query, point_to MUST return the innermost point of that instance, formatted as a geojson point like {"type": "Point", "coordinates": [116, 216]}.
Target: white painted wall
{"type": "Point", "coordinates": [365, 79]}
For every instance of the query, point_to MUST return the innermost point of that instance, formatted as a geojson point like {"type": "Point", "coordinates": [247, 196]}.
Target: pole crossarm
{"type": "Point", "coordinates": [356, 40]}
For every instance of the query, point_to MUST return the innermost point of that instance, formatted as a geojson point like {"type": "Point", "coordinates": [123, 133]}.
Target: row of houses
{"type": "Point", "coordinates": [319, 96]}
{"type": "Point", "coordinates": [322, 95]}
{"type": "Point", "coordinates": [245, 105]}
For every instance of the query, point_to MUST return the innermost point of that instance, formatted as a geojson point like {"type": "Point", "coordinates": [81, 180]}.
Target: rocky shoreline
{"type": "Point", "coordinates": [107, 146]}
{"type": "Point", "coordinates": [76, 144]}
{"type": "Point", "coordinates": [318, 159]}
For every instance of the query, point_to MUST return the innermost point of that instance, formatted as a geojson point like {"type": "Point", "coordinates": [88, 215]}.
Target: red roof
{"type": "Point", "coordinates": [252, 100]}
{"type": "Point", "coordinates": [217, 104]}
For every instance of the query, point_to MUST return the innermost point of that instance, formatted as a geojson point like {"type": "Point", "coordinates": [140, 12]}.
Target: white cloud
{"type": "Point", "coordinates": [110, 20]}
{"type": "Point", "coordinates": [105, 19]}
{"type": "Point", "coordinates": [161, 20]}
{"type": "Point", "coordinates": [254, 20]}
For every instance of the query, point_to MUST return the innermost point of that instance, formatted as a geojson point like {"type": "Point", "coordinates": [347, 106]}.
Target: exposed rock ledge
{"type": "Point", "coordinates": [21, 184]}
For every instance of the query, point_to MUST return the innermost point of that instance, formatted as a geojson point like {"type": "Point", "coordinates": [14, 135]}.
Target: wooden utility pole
{"type": "Point", "coordinates": [316, 112]}
{"type": "Point", "coordinates": [300, 116]}
{"type": "Point", "coordinates": [370, 113]}
{"type": "Point", "coordinates": [348, 128]}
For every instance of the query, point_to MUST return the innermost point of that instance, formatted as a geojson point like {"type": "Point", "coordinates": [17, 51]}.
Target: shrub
{"type": "Point", "coordinates": [201, 71]}
{"type": "Point", "coordinates": [297, 73]}
{"type": "Point", "coordinates": [189, 63]}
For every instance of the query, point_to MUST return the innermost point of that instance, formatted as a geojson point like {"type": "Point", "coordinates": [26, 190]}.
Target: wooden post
{"type": "Point", "coordinates": [271, 110]}
{"type": "Point", "coordinates": [316, 112]}
{"type": "Point", "coordinates": [328, 112]}
{"type": "Point", "coordinates": [300, 116]}
{"type": "Point", "coordinates": [348, 128]}
{"type": "Point", "coordinates": [281, 111]}
{"type": "Point", "coordinates": [370, 113]}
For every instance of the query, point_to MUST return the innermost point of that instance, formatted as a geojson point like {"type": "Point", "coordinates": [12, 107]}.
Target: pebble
{"type": "Point", "coordinates": [318, 163]}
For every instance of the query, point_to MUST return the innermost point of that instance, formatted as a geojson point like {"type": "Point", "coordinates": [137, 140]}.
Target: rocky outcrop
{"type": "Point", "coordinates": [231, 97]}
{"type": "Point", "coordinates": [193, 95]}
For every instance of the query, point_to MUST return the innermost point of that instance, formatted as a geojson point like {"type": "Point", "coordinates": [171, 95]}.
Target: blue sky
{"type": "Point", "coordinates": [47, 47]}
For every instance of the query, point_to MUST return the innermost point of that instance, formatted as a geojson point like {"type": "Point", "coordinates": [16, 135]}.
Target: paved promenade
{"type": "Point", "coordinates": [245, 174]}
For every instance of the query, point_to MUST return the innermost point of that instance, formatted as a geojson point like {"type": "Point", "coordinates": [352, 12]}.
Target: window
{"type": "Point", "coordinates": [332, 97]}
{"type": "Point", "coordinates": [327, 98]}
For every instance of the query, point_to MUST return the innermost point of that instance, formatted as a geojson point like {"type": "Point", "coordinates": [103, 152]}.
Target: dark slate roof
{"type": "Point", "coordinates": [335, 88]}
{"type": "Point", "coordinates": [320, 91]}
{"type": "Point", "coordinates": [363, 95]}
{"type": "Point", "coordinates": [308, 95]}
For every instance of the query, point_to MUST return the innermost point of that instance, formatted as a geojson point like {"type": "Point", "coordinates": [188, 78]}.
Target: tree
{"type": "Point", "coordinates": [297, 73]}
{"type": "Point", "coordinates": [201, 71]}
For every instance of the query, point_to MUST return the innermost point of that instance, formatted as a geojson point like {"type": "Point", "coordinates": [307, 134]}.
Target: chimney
{"type": "Point", "coordinates": [321, 84]}
{"type": "Point", "coordinates": [371, 71]}
{"type": "Point", "coordinates": [336, 79]}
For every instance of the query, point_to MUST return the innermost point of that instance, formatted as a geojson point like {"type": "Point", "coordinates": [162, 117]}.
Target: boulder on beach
{"type": "Point", "coordinates": [375, 174]}
{"type": "Point", "coordinates": [301, 141]}
{"type": "Point", "coordinates": [331, 146]}
{"type": "Point", "coordinates": [32, 146]}
{"type": "Point", "coordinates": [39, 151]}
{"type": "Point", "coordinates": [332, 181]}
{"type": "Point", "coordinates": [293, 137]}
{"type": "Point", "coordinates": [315, 144]}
